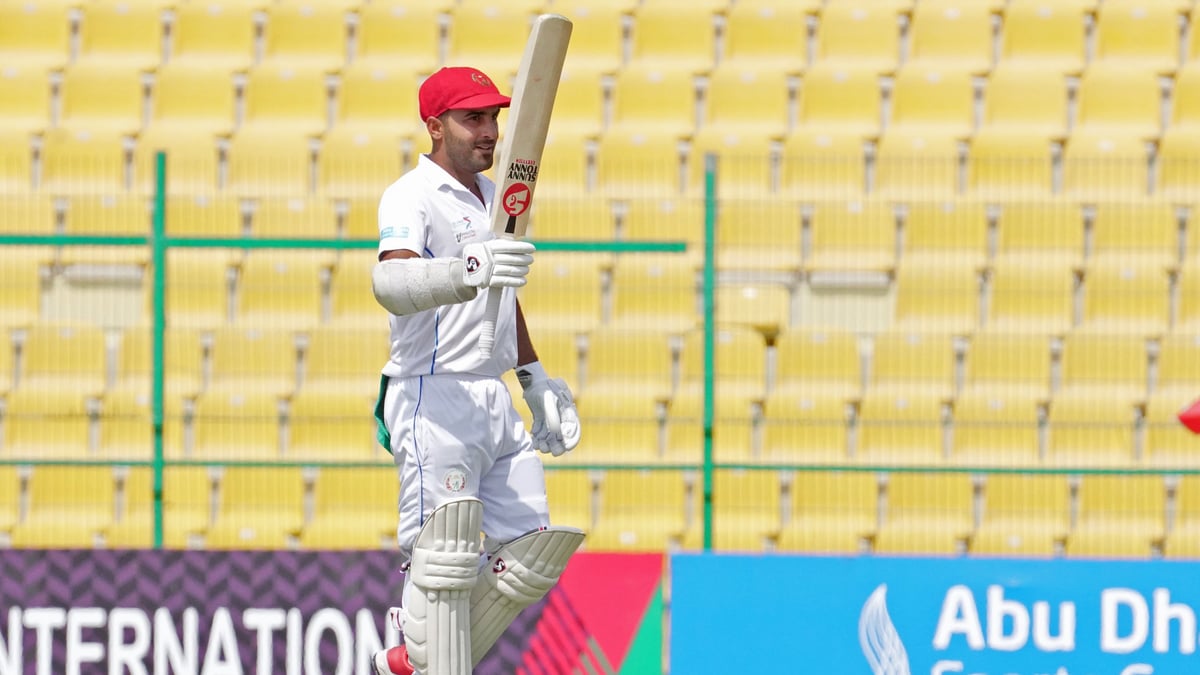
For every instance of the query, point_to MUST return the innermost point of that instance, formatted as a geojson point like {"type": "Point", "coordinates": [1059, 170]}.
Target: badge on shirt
{"type": "Point", "coordinates": [462, 230]}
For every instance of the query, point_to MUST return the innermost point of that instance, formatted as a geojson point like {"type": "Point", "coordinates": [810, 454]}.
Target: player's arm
{"type": "Point", "coordinates": [555, 420]}
{"type": "Point", "coordinates": [406, 283]}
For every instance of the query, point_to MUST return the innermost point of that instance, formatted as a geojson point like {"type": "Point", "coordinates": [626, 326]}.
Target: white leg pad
{"type": "Point", "coordinates": [444, 568]}
{"type": "Point", "coordinates": [519, 574]}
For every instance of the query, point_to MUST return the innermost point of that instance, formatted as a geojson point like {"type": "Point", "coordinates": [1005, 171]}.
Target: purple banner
{"type": "Point", "coordinates": [78, 612]}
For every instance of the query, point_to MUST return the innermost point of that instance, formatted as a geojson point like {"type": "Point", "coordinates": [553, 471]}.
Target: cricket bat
{"type": "Point", "coordinates": [524, 138]}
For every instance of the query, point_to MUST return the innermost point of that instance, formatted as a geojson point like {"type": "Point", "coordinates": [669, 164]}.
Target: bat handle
{"type": "Point", "coordinates": [487, 336]}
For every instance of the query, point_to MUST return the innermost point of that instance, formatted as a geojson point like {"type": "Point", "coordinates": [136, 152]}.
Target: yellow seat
{"type": "Point", "coordinates": [352, 303]}
{"type": "Point", "coordinates": [1178, 363]}
{"type": "Point", "coordinates": [913, 364]}
{"type": "Point", "coordinates": [46, 424]}
{"type": "Point", "coordinates": [1023, 515]}
{"type": "Point", "coordinates": [197, 289]}
{"type": "Point", "coordinates": [64, 357]}
{"type": "Point", "coordinates": [253, 361]}
{"type": "Point", "coordinates": [1169, 443]}
{"type": "Point", "coordinates": [192, 98]}
{"type": "Point", "coordinates": [816, 360]}
{"type": "Point", "coordinates": [284, 100]}
{"type": "Point", "coordinates": [24, 98]}
{"type": "Point", "coordinates": [10, 497]}
{"type": "Point", "coordinates": [281, 288]}
{"type": "Point", "coordinates": [1126, 298]}
{"type": "Point", "coordinates": [900, 429]}
{"type": "Point", "coordinates": [235, 426]}
{"type": "Point", "coordinates": [637, 165]}
{"type": "Point", "coordinates": [805, 428]}
{"type": "Point", "coordinates": [630, 436]}
{"type": "Point", "coordinates": [565, 167]}
{"type": "Point", "coordinates": [186, 503]}
{"type": "Point", "coordinates": [588, 218]}
{"type": "Point", "coordinates": [1048, 234]}
{"type": "Point", "coordinates": [1183, 541]}
{"type": "Point", "coordinates": [16, 162]}
{"type": "Point", "coordinates": [1145, 34]}
{"type": "Point", "coordinates": [1119, 517]}
{"type": "Point", "coordinates": [375, 101]}
{"type": "Point", "coordinates": [744, 163]}
{"type": "Point", "coordinates": [654, 291]}
{"type": "Point", "coordinates": [1144, 234]}
{"type": "Point", "coordinates": [747, 510]}
{"type": "Point", "coordinates": [506, 23]}
{"type": "Point", "coordinates": [126, 426]}
{"type": "Point", "coordinates": [685, 435]}
{"type": "Point", "coordinates": [665, 219]}
{"type": "Point", "coordinates": [852, 237]}
{"type": "Point", "coordinates": [1119, 99]}
{"type": "Point", "coordinates": [564, 292]}
{"type": "Point", "coordinates": [1024, 99]}
{"type": "Point", "coordinates": [1031, 299]}
{"type": "Point", "coordinates": [936, 298]}
{"type": "Point", "coordinates": [1104, 366]}
{"type": "Point", "coordinates": [353, 509]}
{"type": "Point", "coordinates": [627, 365]}
{"type": "Point", "coordinates": [183, 367]}
{"type": "Point", "coordinates": [296, 218]}
{"type": "Point", "coordinates": [1011, 363]}
{"type": "Point", "coordinates": [863, 34]}
{"type": "Point", "coordinates": [956, 34]}
{"type": "Point", "coordinates": [927, 513]}
{"type": "Point", "coordinates": [832, 512]}
{"type": "Point", "coordinates": [215, 35]}
{"type": "Point", "coordinates": [767, 36]}
{"type": "Point", "coordinates": [20, 294]}
{"type": "Point", "coordinates": [356, 163]}
{"type": "Point", "coordinates": [386, 37]}
{"type": "Point", "coordinates": [306, 35]}
{"type": "Point", "coordinates": [653, 102]}
{"type": "Point", "coordinates": [739, 371]}
{"type": "Point", "coordinates": [7, 362]}
{"type": "Point", "coordinates": [759, 235]}
{"type": "Point", "coordinates": [191, 164]}
{"type": "Point", "coordinates": [933, 100]}
{"type": "Point", "coordinates": [579, 100]}
{"type": "Point", "coordinates": [268, 166]}
{"type": "Point", "coordinates": [121, 34]}
{"type": "Point", "coordinates": [75, 163]}
{"type": "Point", "coordinates": [258, 508]}
{"type": "Point", "coordinates": [1089, 432]}
{"type": "Point", "coordinates": [597, 37]}
{"type": "Point", "coordinates": [1179, 174]}
{"type": "Point", "coordinates": [817, 166]}
{"type": "Point", "coordinates": [950, 233]}
{"type": "Point", "coordinates": [108, 215]}
{"type": "Point", "coordinates": [344, 360]}
{"type": "Point", "coordinates": [763, 307]}
{"type": "Point", "coordinates": [1188, 318]}
{"type": "Point", "coordinates": [640, 510]}
{"type": "Point", "coordinates": [332, 425]}
{"type": "Point", "coordinates": [1185, 100]}
{"type": "Point", "coordinates": [1009, 166]}
{"type": "Point", "coordinates": [839, 100]}
{"type": "Point", "coordinates": [571, 494]}
{"type": "Point", "coordinates": [35, 35]}
{"type": "Point", "coordinates": [1045, 35]}
{"type": "Point", "coordinates": [673, 37]}
{"type": "Point", "coordinates": [996, 427]}
{"type": "Point", "coordinates": [915, 166]}
{"type": "Point", "coordinates": [69, 507]}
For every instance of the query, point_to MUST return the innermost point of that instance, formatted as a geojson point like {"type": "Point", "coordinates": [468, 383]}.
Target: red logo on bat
{"type": "Point", "coordinates": [516, 199]}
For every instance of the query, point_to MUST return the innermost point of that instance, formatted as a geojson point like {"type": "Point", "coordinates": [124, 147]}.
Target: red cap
{"type": "Point", "coordinates": [458, 88]}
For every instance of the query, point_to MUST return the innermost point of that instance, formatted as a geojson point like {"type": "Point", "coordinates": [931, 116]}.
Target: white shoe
{"type": "Point", "coordinates": [399, 659]}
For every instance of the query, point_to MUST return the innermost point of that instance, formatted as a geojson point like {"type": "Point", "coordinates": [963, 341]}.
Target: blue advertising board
{"type": "Point", "coordinates": [896, 616]}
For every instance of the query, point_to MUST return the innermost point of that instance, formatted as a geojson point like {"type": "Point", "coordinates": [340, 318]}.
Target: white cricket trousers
{"type": "Point", "coordinates": [458, 436]}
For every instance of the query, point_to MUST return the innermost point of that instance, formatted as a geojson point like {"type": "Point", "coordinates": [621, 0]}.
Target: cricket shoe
{"type": "Point", "coordinates": [392, 661]}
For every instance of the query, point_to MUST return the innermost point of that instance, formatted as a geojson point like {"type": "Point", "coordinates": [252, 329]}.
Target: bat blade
{"type": "Point", "coordinates": [524, 139]}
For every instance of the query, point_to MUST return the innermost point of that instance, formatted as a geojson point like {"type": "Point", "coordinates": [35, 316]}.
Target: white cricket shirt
{"type": "Point", "coordinates": [429, 212]}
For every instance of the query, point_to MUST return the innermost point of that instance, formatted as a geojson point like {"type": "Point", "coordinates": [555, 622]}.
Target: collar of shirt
{"type": "Point", "coordinates": [440, 178]}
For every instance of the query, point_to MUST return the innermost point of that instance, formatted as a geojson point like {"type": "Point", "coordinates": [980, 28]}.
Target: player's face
{"type": "Point", "coordinates": [470, 138]}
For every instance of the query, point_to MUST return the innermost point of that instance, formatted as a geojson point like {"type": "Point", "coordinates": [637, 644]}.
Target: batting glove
{"type": "Point", "coordinates": [497, 263]}
{"type": "Point", "coordinates": [555, 419]}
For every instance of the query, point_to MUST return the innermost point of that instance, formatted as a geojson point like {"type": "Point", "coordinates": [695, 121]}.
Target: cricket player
{"type": "Point", "coordinates": [467, 464]}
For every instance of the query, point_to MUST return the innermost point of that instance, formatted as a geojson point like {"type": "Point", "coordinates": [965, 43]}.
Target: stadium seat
{"type": "Point", "coordinates": [24, 98]}
{"type": "Point", "coordinates": [1178, 176]}
{"type": "Point", "coordinates": [626, 369]}
{"type": "Point", "coordinates": [597, 37]}
{"type": "Point", "coordinates": [1178, 363]}
{"type": "Point", "coordinates": [640, 510]}
{"type": "Point", "coordinates": [954, 33]}
{"type": "Point", "coordinates": [1124, 297]}
{"type": "Point", "coordinates": [1023, 515]}
{"type": "Point", "coordinates": [564, 292]}
{"type": "Point", "coordinates": [638, 165]}
{"type": "Point", "coordinates": [628, 437]}
{"type": "Point", "coordinates": [832, 512]}
{"type": "Point", "coordinates": [353, 509]}
{"type": "Point", "coordinates": [75, 163]}
{"type": "Point", "coordinates": [7, 362]}
{"type": "Point", "coordinates": [1008, 363]}
{"type": "Point", "coordinates": [673, 37]}
{"type": "Point", "coordinates": [585, 217]}
{"type": "Point", "coordinates": [183, 367]}
{"type": "Point", "coordinates": [16, 162]}
{"type": "Point", "coordinates": [263, 165]}
{"type": "Point", "coordinates": [655, 291]}
{"type": "Point", "coordinates": [69, 507]}
{"type": "Point", "coordinates": [579, 106]}
{"type": "Point", "coordinates": [571, 494]}
{"type": "Point", "coordinates": [913, 166]}
{"type": "Point", "coordinates": [1009, 167]}
{"type": "Point", "coordinates": [10, 497]}
{"type": "Point", "coordinates": [739, 370]}
{"type": "Point", "coordinates": [231, 425]}
{"type": "Point", "coordinates": [816, 360]}
{"type": "Point", "coordinates": [852, 237]}
{"type": "Point", "coordinates": [306, 35]}
{"type": "Point", "coordinates": [258, 508]}
{"type": "Point", "coordinates": [1187, 320]}
{"type": "Point", "coordinates": [506, 25]}
{"type": "Point", "coordinates": [731, 429]}
{"type": "Point", "coordinates": [1045, 35]}
{"type": "Point", "coordinates": [20, 294]}
{"type": "Point", "coordinates": [107, 215]}
{"type": "Point", "coordinates": [913, 364]}
{"type": "Point", "coordinates": [817, 166]}
{"type": "Point", "coordinates": [333, 425]}
{"type": "Point", "coordinates": [839, 100]}
{"type": "Point", "coordinates": [1031, 299]}
{"type": "Point", "coordinates": [386, 38]}
{"type": "Point", "coordinates": [253, 361]}
{"type": "Point", "coordinates": [931, 514]}
{"type": "Point", "coordinates": [1168, 443]}
{"type": "Point", "coordinates": [192, 98]}
{"type": "Point", "coordinates": [352, 304]}
{"type": "Point", "coordinates": [860, 34]}
{"type": "Point", "coordinates": [217, 35]}
{"type": "Point", "coordinates": [64, 357]}
{"type": "Point", "coordinates": [1104, 366]}
{"type": "Point", "coordinates": [285, 100]}
{"type": "Point", "coordinates": [936, 298]}
{"type": "Point", "coordinates": [197, 289]}
{"type": "Point", "coordinates": [1141, 33]}
{"type": "Point", "coordinates": [296, 219]}
{"type": "Point", "coordinates": [1089, 432]}
{"type": "Point", "coordinates": [767, 37]}
{"type": "Point", "coordinates": [758, 235]}
{"type": "Point", "coordinates": [1119, 99]}
{"type": "Point", "coordinates": [375, 101]}
{"type": "Point", "coordinates": [950, 233]}
{"type": "Point", "coordinates": [762, 306]}
{"type": "Point", "coordinates": [1142, 234]}
{"type": "Point", "coordinates": [744, 164]}
{"type": "Point", "coordinates": [566, 167]}
{"type": "Point", "coordinates": [996, 427]}
{"type": "Point", "coordinates": [900, 429]}
{"type": "Point", "coordinates": [121, 34]}
{"type": "Point", "coordinates": [933, 101]}
{"type": "Point", "coordinates": [665, 219]}
{"type": "Point", "coordinates": [747, 510]}
{"type": "Point", "coordinates": [345, 360]}
{"type": "Point", "coordinates": [281, 288]}
{"type": "Point", "coordinates": [1183, 540]}
{"type": "Point", "coordinates": [805, 428]}
{"type": "Point", "coordinates": [35, 35]}
{"type": "Point", "coordinates": [191, 163]}
{"type": "Point", "coordinates": [46, 424]}
{"type": "Point", "coordinates": [187, 503]}
{"type": "Point", "coordinates": [126, 426]}
{"type": "Point", "coordinates": [654, 102]}
{"type": "Point", "coordinates": [1027, 100]}
{"type": "Point", "coordinates": [1041, 233]}
{"type": "Point", "coordinates": [1119, 517]}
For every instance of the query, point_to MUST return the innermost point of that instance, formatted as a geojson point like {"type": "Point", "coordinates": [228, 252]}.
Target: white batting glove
{"type": "Point", "coordinates": [497, 263]}
{"type": "Point", "coordinates": [555, 419]}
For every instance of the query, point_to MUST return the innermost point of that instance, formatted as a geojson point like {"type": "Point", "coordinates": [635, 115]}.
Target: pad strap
{"type": "Point", "coordinates": [519, 574]}
{"type": "Point", "coordinates": [410, 285]}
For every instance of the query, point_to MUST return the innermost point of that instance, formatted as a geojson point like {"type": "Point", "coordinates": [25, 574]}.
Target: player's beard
{"type": "Point", "coordinates": [467, 154]}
